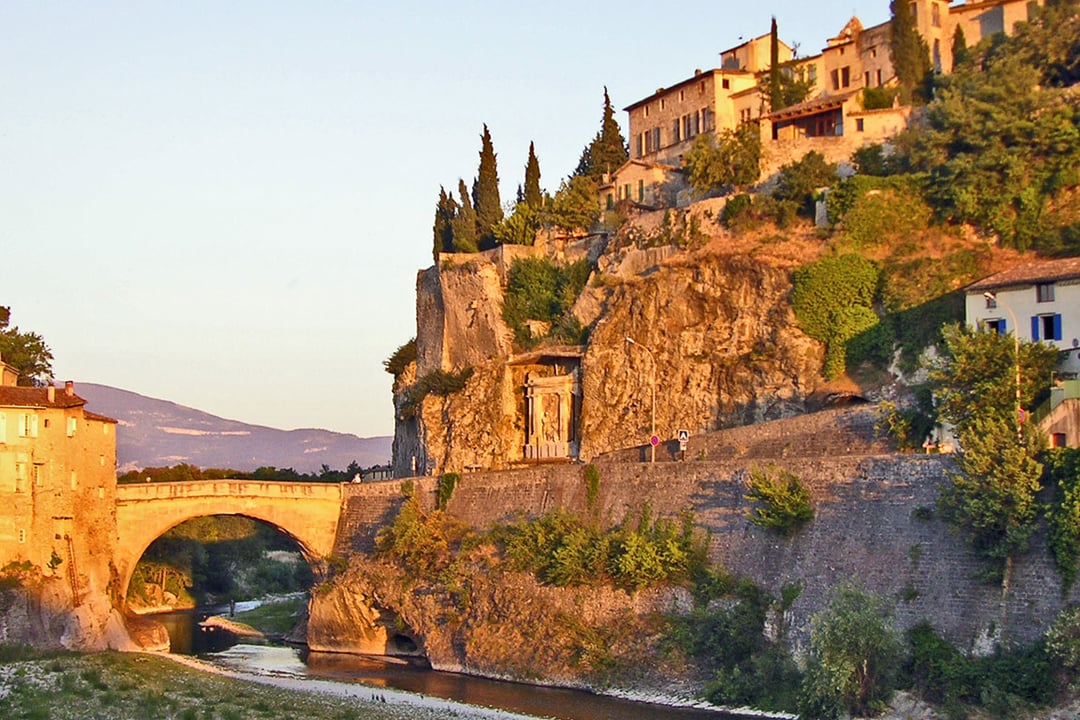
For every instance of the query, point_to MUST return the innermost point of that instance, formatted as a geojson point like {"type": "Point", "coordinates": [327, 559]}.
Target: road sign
{"type": "Point", "coordinates": [654, 440]}
{"type": "Point", "coordinates": [684, 438]}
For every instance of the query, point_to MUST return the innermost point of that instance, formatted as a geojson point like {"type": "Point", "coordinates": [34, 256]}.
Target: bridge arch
{"type": "Point", "coordinates": [308, 513]}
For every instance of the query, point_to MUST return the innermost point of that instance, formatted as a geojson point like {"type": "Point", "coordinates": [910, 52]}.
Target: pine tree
{"type": "Point", "coordinates": [607, 151]}
{"type": "Point", "coordinates": [531, 195]}
{"type": "Point", "coordinates": [909, 52]}
{"type": "Point", "coordinates": [464, 224]}
{"type": "Point", "coordinates": [443, 229]}
{"type": "Point", "coordinates": [776, 90]}
{"type": "Point", "coordinates": [486, 193]}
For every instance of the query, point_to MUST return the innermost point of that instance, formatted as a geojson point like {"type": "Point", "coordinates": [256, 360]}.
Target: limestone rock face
{"type": "Point", "coordinates": [715, 335]}
{"type": "Point", "coordinates": [343, 620]}
{"type": "Point", "coordinates": [42, 615]}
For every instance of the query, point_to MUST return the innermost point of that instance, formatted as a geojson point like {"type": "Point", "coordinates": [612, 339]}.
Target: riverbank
{"type": "Point", "coordinates": [124, 686]}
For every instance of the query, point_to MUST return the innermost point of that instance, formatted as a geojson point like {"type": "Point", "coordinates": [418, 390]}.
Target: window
{"type": "Point", "coordinates": [866, 79]}
{"type": "Point", "coordinates": [1046, 327]}
{"type": "Point", "coordinates": [1058, 440]}
{"type": "Point", "coordinates": [701, 87]}
{"type": "Point", "coordinates": [682, 95]}
{"type": "Point", "coordinates": [28, 426]}
{"type": "Point", "coordinates": [811, 73]}
{"type": "Point", "coordinates": [640, 144]}
{"type": "Point", "coordinates": [641, 190]}
{"type": "Point", "coordinates": [914, 12]}
{"type": "Point", "coordinates": [74, 480]}
{"type": "Point", "coordinates": [845, 76]}
{"type": "Point", "coordinates": [879, 77]}
{"type": "Point", "coordinates": [935, 15]}
{"type": "Point", "coordinates": [1044, 292]}
{"type": "Point", "coordinates": [873, 52]}
{"type": "Point", "coordinates": [858, 124]}
{"type": "Point", "coordinates": [663, 103]}
{"type": "Point", "coordinates": [71, 424]}
{"type": "Point", "coordinates": [676, 134]}
{"type": "Point", "coordinates": [835, 75]}
{"type": "Point", "coordinates": [994, 326]}
{"type": "Point", "coordinates": [646, 111]}
{"type": "Point", "coordinates": [991, 302]}
{"type": "Point", "coordinates": [726, 84]}
{"type": "Point", "coordinates": [656, 138]}
{"type": "Point", "coordinates": [610, 201]}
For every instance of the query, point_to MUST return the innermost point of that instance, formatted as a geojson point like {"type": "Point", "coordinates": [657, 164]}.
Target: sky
{"type": "Point", "coordinates": [225, 204]}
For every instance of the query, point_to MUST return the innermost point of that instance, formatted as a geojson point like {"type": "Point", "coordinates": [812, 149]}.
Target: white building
{"type": "Point", "coordinates": [1039, 301]}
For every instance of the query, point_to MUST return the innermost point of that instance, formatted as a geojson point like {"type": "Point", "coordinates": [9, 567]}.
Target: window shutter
{"type": "Point", "coordinates": [1057, 327]}
{"type": "Point", "coordinates": [1034, 327]}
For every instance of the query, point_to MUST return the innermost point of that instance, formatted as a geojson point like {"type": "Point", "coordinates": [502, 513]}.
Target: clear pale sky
{"type": "Point", "coordinates": [224, 204]}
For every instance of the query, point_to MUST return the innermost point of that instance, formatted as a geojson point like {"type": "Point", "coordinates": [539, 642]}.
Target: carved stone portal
{"type": "Point", "coordinates": [551, 408]}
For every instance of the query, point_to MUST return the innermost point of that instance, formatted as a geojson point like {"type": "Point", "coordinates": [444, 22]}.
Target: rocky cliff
{"type": "Point", "coordinates": [716, 341]}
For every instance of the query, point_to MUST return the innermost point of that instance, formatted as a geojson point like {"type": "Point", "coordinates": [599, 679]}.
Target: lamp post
{"type": "Point", "coordinates": [652, 357]}
{"type": "Point", "coordinates": [1016, 357]}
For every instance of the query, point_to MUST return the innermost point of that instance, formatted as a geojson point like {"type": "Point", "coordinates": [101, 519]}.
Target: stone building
{"type": "Point", "coordinates": [833, 121]}
{"type": "Point", "coordinates": [1040, 301]}
{"type": "Point", "coordinates": [57, 484]}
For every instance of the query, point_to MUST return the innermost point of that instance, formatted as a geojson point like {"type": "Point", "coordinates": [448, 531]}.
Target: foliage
{"type": "Point", "coordinates": [442, 383]}
{"type": "Point", "coordinates": [540, 290]}
{"type": "Point", "coordinates": [443, 228]}
{"type": "Point", "coordinates": [976, 375]}
{"type": "Point", "coordinates": [873, 211]}
{"type": "Point", "coordinates": [908, 426]}
{"type": "Point", "coordinates": [444, 489]}
{"type": "Point", "coordinates": [1063, 647]}
{"type": "Point", "coordinates": [799, 181]}
{"type": "Point", "coordinates": [854, 657]}
{"type": "Point", "coordinates": [26, 352]}
{"type": "Point", "coordinates": [782, 502]}
{"type": "Point", "coordinates": [562, 550]}
{"type": "Point", "coordinates": [422, 542]}
{"type": "Point", "coordinates": [402, 357]}
{"type": "Point", "coordinates": [486, 193]}
{"type": "Point", "coordinates": [191, 473]}
{"type": "Point", "coordinates": [592, 485]}
{"type": "Point", "coordinates": [878, 98]}
{"type": "Point", "coordinates": [607, 151]}
{"type": "Point", "coordinates": [909, 53]}
{"type": "Point", "coordinates": [991, 502]}
{"type": "Point", "coordinates": [731, 157]}
{"type": "Point", "coordinates": [519, 227]}
{"type": "Point", "coordinates": [1001, 683]}
{"type": "Point", "coordinates": [1062, 472]}
{"type": "Point", "coordinates": [532, 195]}
{"type": "Point", "coordinates": [833, 300]}
{"type": "Point", "coordinates": [576, 204]}
{"type": "Point", "coordinates": [1001, 140]}
{"type": "Point", "coordinates": [876, 159]}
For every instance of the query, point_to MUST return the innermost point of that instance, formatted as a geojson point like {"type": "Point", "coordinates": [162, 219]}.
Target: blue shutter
{"type": "Point", "coordinates": [1035, 327]}
{"type": "Point", "coordinates": [1004, 326]}
{"type": "Point", "coordinates": [1057, 327]}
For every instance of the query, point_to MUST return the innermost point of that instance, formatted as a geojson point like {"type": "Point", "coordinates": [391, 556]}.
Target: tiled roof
{"type": "Point", "coordinates": [811, 107]}
{"type": "Point", "coordinates": [1029, 274]}
{"type": "Point", "coordinates": [100, 418]}
{"type": "Point", "coordinates": [14, 396]}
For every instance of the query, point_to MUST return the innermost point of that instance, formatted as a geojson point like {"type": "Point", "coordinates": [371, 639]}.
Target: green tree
{"type": "Point", "coordinates": [576, 205]}
{"type": "Point", "coordinates": [607, 151]}
{"type": "Point", "coordinates": [855, 655]}
{"type": "Point", "coordinates": [909, 52]}
{"type": "Point", "coordinates": [26, 352]}
{"type": "Point", "coordinates": [776, 96]}
{"type": "Point", "coordinates": [733, 157]}
{"type": "Point", "coordinates": [799, 181]}
{"type": "Point", "coordinates": [519, 227]}
{"type": "Point", "coordinates": [782, 502]}
{"type": "Point", "coordinates": [463, 225]}
{"type": "Point", "coordinates": [486, 193]}
{"type": "Point", "coordinates": [532, 195]}
{"type": "Point", "coordinates": [959, 46]}
{"type": "Point", "coordinates": [443, 228]}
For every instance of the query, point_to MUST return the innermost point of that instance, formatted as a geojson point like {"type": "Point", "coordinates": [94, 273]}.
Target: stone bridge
{"type": "Point", "coordinates": [306, 512]}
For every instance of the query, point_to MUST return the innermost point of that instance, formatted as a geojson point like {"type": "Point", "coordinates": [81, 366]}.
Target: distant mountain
{"type": "Point", "coordinates": [157, 433]}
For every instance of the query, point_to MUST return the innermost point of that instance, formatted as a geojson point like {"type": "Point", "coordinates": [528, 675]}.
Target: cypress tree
{"type": "Point", "coordinates": [531, 195]}
{"type": "Point", "coordinates": [959, 46]}
{"type": "Point", "coordinates": [607, 151]}
{"type": "Point", "coordinates": [776, 88]}
{"type": "Point", "coordinates": [445, 212]}
{"type": "Point", "coordinates": [909, 52]}
{"type": "Point", "coordinates": [486, 192]}
{"type": "Point", "coordinates": [464, 224]}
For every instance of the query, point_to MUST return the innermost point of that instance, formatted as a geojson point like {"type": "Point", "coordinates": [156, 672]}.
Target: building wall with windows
{"type": "Point", "coordinates": [57, 485]}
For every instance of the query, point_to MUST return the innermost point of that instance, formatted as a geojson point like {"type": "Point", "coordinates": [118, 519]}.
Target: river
{"type": "Point", "coordinates": [220, 648]}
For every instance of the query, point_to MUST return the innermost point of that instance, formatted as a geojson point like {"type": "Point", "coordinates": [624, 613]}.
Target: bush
{"type": "Point", "coordinates": [799, 181]}
{"type": "Point", "coordinates": [1063, 647]}
{"type": "Point", "coordinates": [444, 490]}
{"type": "Point", "coordinates": [854, 657]}
{"type": "Point", "coordinates": [538, 289]}
{"type": "Point", "coordinates": [783, 503]}
{"type": "Point", "coordinates": [437, 382]}
{"type": "Point", "coordinates": [873, 210]}
{"type": "Point", "coordinates": [1062, 471]}
{"type": "Point", "coordinates": [396, 363]}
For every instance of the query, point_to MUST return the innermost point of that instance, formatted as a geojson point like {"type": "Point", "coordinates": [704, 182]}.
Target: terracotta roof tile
{"type": "Point", "coordinates": [100, 418]}
{"type": "Point", "coordinates": [1029, 274]}
{"type": "Point", "coordinates": [15, 396]}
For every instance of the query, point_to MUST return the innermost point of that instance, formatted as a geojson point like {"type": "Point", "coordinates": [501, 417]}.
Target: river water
{"type": "Point", "coordinates": [220, 648]}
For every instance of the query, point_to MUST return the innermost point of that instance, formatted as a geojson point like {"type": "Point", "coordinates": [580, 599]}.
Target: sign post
{"type": "Point", "coordinates": [684, 440]}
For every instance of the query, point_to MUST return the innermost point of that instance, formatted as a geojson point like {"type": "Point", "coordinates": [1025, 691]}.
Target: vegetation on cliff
{"type": "Point", "coordinates": [540, 295]}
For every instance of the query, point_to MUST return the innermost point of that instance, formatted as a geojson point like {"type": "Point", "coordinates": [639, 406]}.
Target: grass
{"type": "Point", "coordinates": [275, 618]}
{"type": "Point", "coordinates": [122, 686]}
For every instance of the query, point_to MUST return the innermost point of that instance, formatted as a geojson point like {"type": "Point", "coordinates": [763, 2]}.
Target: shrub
{"type": "Point", "coordinates": [854, 657]}
{"type": "Point", "coordinates": [444, 490]}
{"type": "Point", "coordinates": [799, 180]}
{"type": "Point", "coordinates": [437, 382]}
{"type": "Point", "coordinates": [592, 485]}
{"type": "Point", "coordinates": [396, 363]}
{"type": "Point", "coordinates": [538, 289]}
{"type": "Point", "coordinates": [1062, 471]}
{"type": "Point", "coordinates": [1063, 647]}
{"type": "Point", "coordinates": [783, 503]}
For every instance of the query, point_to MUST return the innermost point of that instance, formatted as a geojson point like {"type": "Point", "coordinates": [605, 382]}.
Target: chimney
{"type": "Point", "coordinates": [52, 393]}
{"type": "Point", "coordinates": [69, 388]}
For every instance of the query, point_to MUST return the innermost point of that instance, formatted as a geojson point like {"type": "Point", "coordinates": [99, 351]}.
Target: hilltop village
{"type": "Point", "coordinates": [652, 427]}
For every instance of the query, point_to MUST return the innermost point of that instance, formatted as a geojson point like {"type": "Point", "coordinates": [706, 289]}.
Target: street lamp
{"type": "Point", "coordinates": [652, 357]}
{"type": "Point", "coordinates": [1016, 357]}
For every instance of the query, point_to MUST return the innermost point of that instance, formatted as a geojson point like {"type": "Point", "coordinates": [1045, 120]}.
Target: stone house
{"type": "Point", "coordinates": [57, 483]}
{"type": "Point", "coordinates": [834, 120]}
{"type": "Point", "coordinates": [1040, 301]}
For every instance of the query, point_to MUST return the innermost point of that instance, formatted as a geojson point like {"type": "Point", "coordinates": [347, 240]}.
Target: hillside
{"type": "Point", "coordinates": [155, 433]}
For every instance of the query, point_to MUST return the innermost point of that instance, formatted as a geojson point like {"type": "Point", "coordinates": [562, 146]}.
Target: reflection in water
{"type": "Point", "coordinates": [400, 675]}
